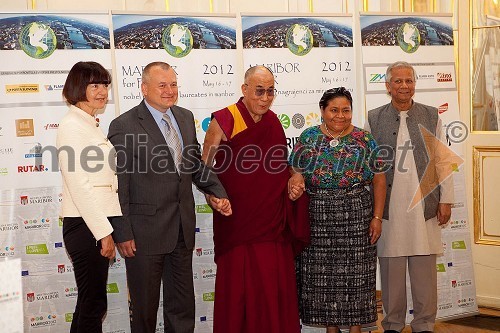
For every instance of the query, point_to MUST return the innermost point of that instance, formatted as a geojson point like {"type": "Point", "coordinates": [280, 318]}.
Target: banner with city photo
{"type": "Point", "coordinates": [202, 51]}
{"type": "Point", "coordinates": [38, 50]}
{"type": "Point", "coordinates": [426, 42]}
{"type": "Point", "coordinates": [308, 55]}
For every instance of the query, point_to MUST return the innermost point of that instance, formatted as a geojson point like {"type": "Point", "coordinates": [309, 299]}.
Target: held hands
{"type": "Point", "coordinates": [223, 205]}
{"type": "Point", "coordinates": [108, 247]}
{"type": "Point", "coordinates": [375, 230]}
{"type": "Point", "coordinates": [443, 213]}
{"type": "Point", "coordinates": [296, 186]}
{"type": "Point", "coordinates": [127, 248]}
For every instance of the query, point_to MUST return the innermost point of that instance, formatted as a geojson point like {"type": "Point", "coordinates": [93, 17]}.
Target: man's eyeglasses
{"type": "Point", "coordinates": [261, 91]}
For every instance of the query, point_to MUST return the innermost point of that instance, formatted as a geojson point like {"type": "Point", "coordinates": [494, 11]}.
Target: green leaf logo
{"type": "Point", "coordinates": [285, 120]}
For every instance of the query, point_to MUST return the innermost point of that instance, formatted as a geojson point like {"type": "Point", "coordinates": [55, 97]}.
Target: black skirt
{"type": "Point", "coordinates": [336, 274]}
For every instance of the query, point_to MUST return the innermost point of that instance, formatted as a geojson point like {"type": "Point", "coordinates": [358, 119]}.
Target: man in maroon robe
{"type": "Point", "coordinates": [255, 287]}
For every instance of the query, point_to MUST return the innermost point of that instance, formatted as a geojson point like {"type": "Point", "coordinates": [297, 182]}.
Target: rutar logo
{"type": "Point", "coordinates": [25, 127]}
{"type": "Point", "coordinates": [25, 88]}
{"type": "Point", "coordinates": [31, 168]}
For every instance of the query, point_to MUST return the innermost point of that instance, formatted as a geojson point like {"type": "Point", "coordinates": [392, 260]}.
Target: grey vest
{"type": "Point", "coordinates": [384, 125]}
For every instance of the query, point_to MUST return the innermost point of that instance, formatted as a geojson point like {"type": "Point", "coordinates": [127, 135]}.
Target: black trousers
{"type": "Point", "coordinates": [91, 274]}
{"type": "Point", "coordinates": [144, 276]}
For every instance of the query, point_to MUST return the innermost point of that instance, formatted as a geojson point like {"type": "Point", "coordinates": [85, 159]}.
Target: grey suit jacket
{"type": "Point", "coordinates": [154, 198]}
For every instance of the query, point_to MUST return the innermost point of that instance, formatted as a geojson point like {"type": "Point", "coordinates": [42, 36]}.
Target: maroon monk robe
{"type": "Point", "coordinates": [252, 166]}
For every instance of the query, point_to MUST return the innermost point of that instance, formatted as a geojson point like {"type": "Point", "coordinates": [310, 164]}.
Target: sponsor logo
{"type": "Point", "coordinates": [199, 251]}
{"type": "Point", "coordinates": [31, 168]}
{"type": "Point", "coordinates": [440, 268]}
{"type": "Point", "coordinates": [425, 76]}
{"type": "Point", "coordinates": [30, 297]}
{"type": "Point", "coordinates": [24, 88]}
{"type": "Point", "coordinates": [285, 120]}
{"type": "Point", "coordinates": [205, 123]}
{"type": "Point", "coordinates": [458, 245]}
{"type": "Point", "coordinates": [461, 283]}
{"type": "Point", "coordinates": [443, 108]}
{"type": "Point", "coordinates": [208, 274]}
{"type": "Point", "coordinates": [4, 171]}
{"type": "Point", "coordinates": [64, 268]}
{"type": "Point", "coordinates": [377, 78]}
{"type": "Point", "coordinates": [195, 276]}
{"type": "Point", "coordinates": [43, 321]}
{"type": "Point", "coordinates": [209, 297]}
{"type": "Point", "coordinates": [458, 224]}
{"type": "Point", "coordinates": [9, 296]}
{"type": "Point", "coordinates": [70, 292]}
{"type": "Point", "coordinates": [37, 249]}
{"type": "Point", "coordinates": [50, 126]}
{"type": "Point", "coordinates": [117, 264]}
{"type": "Point", "coordinates": [35, 151]}
{"type": "Point", "coordinates": [204, 252]}
{"type": "Point", "coordinates": [25, 200]}
{"type": "Point", "coordinates": [35, 224]}
{"type": "Point", "coordinates": [312, 119]}
{"type": "Point", "coordinates": [466, 302]}
{"type": "Point", "coordinates": [6, 151]}
{"type": "Point", "coordinates": [52, 87]}
{"type": "Point", "coordinates": [445, 306]}
{"type": "Point", "coordinates": [7, 251]}
{"type": "Point", "coordinates": [9, 227]}
{"type": "Point", "coordinates": [112, 288]}
{"type": "Point", "coordinates": [68, 317]}
{"type": "Point", "coordinates": [203, 209]}
{"type": "Point", "coordinates": [25, 127]}
{"type": "Point", "coordinates": [1, 128]}
{"type": "Point", "coordinates": [298, 121]}
{"type": "Point", "coordinates": [444, 77]}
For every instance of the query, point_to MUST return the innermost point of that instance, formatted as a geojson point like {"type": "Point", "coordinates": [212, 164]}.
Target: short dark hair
{"type": "Point", "coordinates": [332, 93]}
{"type": "Point", "coordinates": [80, 76]}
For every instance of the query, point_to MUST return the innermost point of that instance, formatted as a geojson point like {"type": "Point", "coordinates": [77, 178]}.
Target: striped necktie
{"type": "Point", "coordinates": [173, 141]}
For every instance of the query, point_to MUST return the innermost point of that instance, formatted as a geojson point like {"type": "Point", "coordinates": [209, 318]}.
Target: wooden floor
{"type": "Point", "coordinates": [487, 321]}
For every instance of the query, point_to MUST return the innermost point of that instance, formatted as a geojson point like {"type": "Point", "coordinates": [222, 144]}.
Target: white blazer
{"type": "Point", "coordinates": [90, 185]}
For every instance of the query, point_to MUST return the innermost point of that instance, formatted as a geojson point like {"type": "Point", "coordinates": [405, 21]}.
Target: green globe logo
{"type": "Point", "coordinates": [285, 120]}
{"type": "Point", "coordinates": [299, 39]}
{"type": "Point", "coordinates": [177, 40]}
{"type": "Point", "coordinates": [37, 40]}
{"type": "Point", "coordinates": [408, 38]}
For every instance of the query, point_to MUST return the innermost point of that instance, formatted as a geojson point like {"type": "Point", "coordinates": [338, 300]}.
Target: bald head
{"type": "Point", "coordinates": [257, 70]}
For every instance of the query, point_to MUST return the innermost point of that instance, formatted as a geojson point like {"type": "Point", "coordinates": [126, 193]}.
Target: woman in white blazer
{"type": "Point", "coordinates": [90, 197]}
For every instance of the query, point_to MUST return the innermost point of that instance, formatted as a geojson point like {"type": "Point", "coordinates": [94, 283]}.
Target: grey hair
{"type": "Point", "coordinates": [399, 64]}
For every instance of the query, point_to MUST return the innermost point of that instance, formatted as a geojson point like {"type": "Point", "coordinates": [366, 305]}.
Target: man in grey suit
{"type": "Point", "coordinates": [158, 158]}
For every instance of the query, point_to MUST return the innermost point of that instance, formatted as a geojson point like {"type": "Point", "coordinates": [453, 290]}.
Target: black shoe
{"type": "Point", "coordinates": [391, 331]}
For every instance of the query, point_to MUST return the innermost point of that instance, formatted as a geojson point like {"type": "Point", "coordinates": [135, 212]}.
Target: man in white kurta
{"type": "Point", "coordinates": [411, 229]}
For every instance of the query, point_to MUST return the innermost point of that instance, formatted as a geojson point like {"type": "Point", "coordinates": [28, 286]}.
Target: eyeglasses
{"type": "Point", "coordinates": [261, 91]}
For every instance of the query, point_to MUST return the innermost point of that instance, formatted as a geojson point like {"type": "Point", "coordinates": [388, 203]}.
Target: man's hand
{"type": "Point", "coordinates": [296, 186]}
{"type": "Point", "coordinates": [443, 213]}
{"type": "Point", "coordinates": [223, 205]}
{"type": "Point", "coordinates": [108, 247]}
{"type": "Point", "coordinates": [127, 248]}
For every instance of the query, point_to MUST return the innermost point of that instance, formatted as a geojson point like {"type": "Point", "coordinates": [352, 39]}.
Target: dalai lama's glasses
{"type": "Point", "coordinates": [261, 91]}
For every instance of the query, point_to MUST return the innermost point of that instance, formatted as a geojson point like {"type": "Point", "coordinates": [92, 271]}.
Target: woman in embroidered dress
{"type": "Point", "coordinates": [336, 273]}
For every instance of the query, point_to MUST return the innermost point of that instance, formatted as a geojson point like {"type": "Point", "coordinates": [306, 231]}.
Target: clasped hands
{"type": "Point", "coordinates": [296, 186]}
{"type": "Point", "coordinates": [221, 205]}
